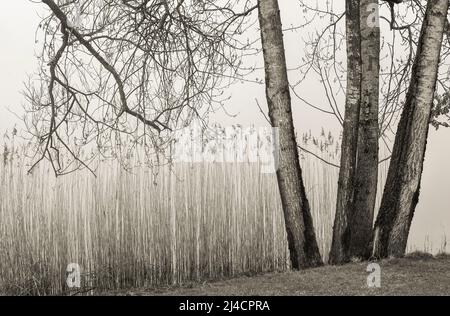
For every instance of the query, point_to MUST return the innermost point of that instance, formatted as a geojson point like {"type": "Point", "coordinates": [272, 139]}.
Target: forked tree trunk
{"type": "Point", "coordinates": [366, 178]}
{"type": "Point", "coordinates": [401, 193]}
{"type": "Point", "coordinates": [341, 233]}
{"type": "Point", "coordinates": [303, 248]}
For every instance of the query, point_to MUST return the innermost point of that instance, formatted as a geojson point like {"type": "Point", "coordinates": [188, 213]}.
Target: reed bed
{"type": "Point", "coordinates": [140, 228]}
{"type": "Point", "coordinates": [131, 230]}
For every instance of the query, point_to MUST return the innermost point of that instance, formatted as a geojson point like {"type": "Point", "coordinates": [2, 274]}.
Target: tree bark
{"type": "Point", "coordinates": [401, 193]}
{"type": "Point", "coordinates": [341, 233]}
{"type": "Point", "coordinates": [304, 251]}
{"type": "Point", "coordinates": [366, 178]}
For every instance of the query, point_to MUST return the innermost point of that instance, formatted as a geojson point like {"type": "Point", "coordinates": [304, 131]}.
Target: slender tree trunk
{"type": "Point", "coordinates": [366, 178]}
{"type": "Point", "coordinates": [303, 248]}
{"type": "Point", "coordinates": [344, 205]}
{"type": "Point", "coordinates": [401, 193]}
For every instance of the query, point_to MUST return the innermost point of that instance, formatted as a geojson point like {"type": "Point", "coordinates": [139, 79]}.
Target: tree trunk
{"type": "Point", "coordinates": [366, 178]}
{"type": "Point", "coordinates": [303, 248]}
{"type": "Point", "coordinates": [401, 193]}
{"type": "Point", "coordinates": [344, 205]}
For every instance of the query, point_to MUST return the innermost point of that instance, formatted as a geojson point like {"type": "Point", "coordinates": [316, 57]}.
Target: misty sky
{"type": "Point", "coordinates": [19, 20]}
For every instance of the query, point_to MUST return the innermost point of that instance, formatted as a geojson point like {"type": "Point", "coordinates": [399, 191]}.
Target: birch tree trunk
{"type": "Point", "coordinates": [341, 233]}
{"type": "Point", "coordinates": [401, 193]}
{"type": "Point", "coordinates": [366, 178]}
{"type": "Point", "coordinates": [303, 248]}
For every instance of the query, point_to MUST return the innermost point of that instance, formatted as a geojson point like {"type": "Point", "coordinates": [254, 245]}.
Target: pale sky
{"type": "Point", "coordinates": [19, 20]}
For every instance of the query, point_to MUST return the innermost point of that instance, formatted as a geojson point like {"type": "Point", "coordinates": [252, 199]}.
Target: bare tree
{"type": "Point", "coordinates": [357, 188]}
{"type": "Point", "coordinates": [129, 71]}
{"type": "Point", "coordinates": [366, 178]}
{"type": "Point", "coordinates": [344, 205]}
{"type": "Point", "coordinates": [402, 189]}
{"type": "Point", "coordinates": [303, 248]}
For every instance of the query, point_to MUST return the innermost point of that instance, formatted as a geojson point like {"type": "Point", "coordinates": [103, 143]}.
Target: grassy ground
{"type": "Point", "coordinates": [415, 275]}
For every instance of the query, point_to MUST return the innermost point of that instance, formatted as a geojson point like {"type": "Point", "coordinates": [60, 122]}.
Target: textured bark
{"type": "Point", "coordinates": [303, 248]}
{"type": "Point", "coordinates": [366, 178]}
{"type": "Point", "coordinates": [344, 204]}
{"type": "Point", "coordinates": [401, 193]}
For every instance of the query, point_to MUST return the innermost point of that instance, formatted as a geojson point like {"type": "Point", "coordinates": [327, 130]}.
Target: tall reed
{"type": "Point", "coordinates": [141, 228]}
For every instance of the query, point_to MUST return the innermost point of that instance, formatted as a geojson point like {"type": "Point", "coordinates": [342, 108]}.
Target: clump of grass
{"type": "Point", "coordinates": [419, 255]}
{"type": "Point", "coordinates": [443, 255]}
{"type": "Point", "coordinates": [30, 280]}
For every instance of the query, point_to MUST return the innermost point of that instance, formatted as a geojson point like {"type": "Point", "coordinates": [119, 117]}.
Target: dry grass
{"type": "Point", "coordinates": [189, 223]}
{"type": "Point", "coordinates": [133, 232]}
{"type": "Point", "coordinates": [429, 276]}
